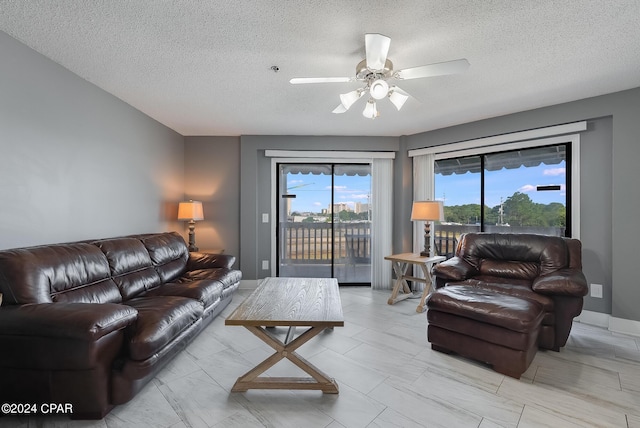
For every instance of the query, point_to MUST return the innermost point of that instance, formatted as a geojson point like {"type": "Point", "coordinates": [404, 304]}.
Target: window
{"type": "Point", "coordinates": [523, 190]}
{"type": "Point", "coordinates": [516, 191]}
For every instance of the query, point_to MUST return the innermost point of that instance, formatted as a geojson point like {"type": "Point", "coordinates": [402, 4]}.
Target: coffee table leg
{"type": "Point", "coordinates": [318, 380]}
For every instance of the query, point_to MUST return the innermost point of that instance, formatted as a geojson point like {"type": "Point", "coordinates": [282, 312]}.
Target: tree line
{"type": "Point", "coordinates": [517, 210]}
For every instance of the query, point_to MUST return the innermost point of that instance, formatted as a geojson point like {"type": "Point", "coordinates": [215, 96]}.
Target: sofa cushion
{"type": "Point", "coordinates": [206, 291]}
{"type": "Point", "coordinates": [227, 277]}
{"type": "Point", "coordinates": [509, 269]}
{"type": "Point", "coordinates": [160, 320]}
{"type": "Point", "coordinates": [168, 252]}
{"type": "Point", "coordinates": [77, 272]}
{"type": "Point", "coordinates": [130, 265]}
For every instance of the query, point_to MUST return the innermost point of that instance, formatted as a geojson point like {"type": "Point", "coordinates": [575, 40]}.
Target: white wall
{"type": "Point", "coordinates": [76, 162]}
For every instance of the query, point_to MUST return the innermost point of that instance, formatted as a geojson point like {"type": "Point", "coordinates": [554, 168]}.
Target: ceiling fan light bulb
{"type": "Point", "coordinates": [398, 99]}
{"type": "Point", "coordinates": [379, 89]}
{"type": "Point", "coordinates": [370, 111]}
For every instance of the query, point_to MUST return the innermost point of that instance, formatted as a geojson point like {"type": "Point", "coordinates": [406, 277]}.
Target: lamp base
{"type": "Point", "coordinates": [424, 254]}
{"type": "Point", "coordinates": [192, 236]}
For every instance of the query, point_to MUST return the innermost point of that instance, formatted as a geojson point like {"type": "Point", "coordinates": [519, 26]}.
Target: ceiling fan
{"type": "Point", "coordinates": [376, 70]}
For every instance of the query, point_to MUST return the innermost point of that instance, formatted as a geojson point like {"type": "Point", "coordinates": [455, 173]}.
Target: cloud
{"type": "Point", "coordinates": [360, 196]}
{"type": "Point", "coordinates": [318, 204]}
{"type": "Point", "coordinates": [527, 188]}
{"type": "Point", "coordinates": [554, 171]}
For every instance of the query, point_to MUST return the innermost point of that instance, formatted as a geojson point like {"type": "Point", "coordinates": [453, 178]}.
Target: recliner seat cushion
{"type": "Point", "coordinates": [160, 320]}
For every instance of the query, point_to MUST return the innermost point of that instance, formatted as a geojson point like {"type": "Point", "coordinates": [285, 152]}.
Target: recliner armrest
{"type": "Point", "coordinates": [209, 261]}
{"type": "Point", "coordinates": [455, 269]}
{"type": "Point", "coordinates": [82, 321]}
{"type": "Point", "coordinates": [566, 282]}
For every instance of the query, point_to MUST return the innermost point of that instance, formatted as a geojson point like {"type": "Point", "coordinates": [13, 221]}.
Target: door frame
{"type": "Point", "coordinates": [299, 156]}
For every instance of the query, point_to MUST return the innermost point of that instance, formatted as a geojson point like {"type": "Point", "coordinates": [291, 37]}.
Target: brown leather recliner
{"type": "Point", "coordinates": [90, 323]}
{"type": "Point", "coordinates": [537, 268]}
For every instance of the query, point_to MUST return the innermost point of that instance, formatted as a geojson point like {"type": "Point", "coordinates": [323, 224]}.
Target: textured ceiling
{"type": "Point", "coordinates": [203, 67]}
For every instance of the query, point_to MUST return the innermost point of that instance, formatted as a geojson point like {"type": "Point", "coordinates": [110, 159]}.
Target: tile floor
{"type": "Point", "coordinates": [388, 377]}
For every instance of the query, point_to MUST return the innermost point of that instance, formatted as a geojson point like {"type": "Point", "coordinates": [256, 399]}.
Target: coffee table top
{"type": "Point", "coordinates": [291, 302]}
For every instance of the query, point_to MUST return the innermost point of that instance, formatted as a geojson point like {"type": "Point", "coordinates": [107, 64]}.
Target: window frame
{"type": "Point", "coordinates": [520, 140]}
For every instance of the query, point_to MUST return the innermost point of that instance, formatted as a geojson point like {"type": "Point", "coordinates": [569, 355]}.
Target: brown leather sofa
{"type": "Point", "coordinates": [510, 290]}
{"type": "Point", "coordinates": [90, 323]}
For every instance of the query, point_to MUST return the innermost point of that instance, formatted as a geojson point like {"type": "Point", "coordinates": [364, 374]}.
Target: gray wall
{"type": "Point", "coordinates": [610, 198]}
{"type": "Point", "coordinates": [77, 163]}
{"type": "Point", "coordinates": [255, 186]}
{"type": "Point", "coordinates": [212, 175]}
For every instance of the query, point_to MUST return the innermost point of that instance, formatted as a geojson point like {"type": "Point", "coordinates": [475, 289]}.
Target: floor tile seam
{"type": "Point", "coordinates": [610, 407]}
{"type": "Point", "coordinates": [434, 399]}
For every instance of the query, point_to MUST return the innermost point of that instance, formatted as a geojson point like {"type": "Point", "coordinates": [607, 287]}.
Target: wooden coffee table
{"type": "Point", "coordinates": [290, 302]}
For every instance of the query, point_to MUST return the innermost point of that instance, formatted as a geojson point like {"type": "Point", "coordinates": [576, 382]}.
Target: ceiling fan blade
{"type": "Point", "coordinates": [303, 80]}
{"type": "Point", "coordinates": [438, 69]}
{"type": "Point", "coordinates": [376, 47]}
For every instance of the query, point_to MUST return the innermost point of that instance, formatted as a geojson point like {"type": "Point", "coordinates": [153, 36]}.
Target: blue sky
{"type": "Point", "coordinates": [313, 192]}
{"type": "Point", "coordinates": [465, 188]}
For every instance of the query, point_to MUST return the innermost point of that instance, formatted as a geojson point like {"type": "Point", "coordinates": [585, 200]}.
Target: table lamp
{"type": "Point", "coordinates": [191, 211]}
{"type": "Point", "coordinates": [427, 211]}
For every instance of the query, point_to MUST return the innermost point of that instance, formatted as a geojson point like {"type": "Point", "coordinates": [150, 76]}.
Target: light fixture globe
{"type": "Point", "coordinates": [379, 89]}
{"type": "Point", "coordinates": [370, 111]}
{"type": "Point", "coordinates": [397, 98]}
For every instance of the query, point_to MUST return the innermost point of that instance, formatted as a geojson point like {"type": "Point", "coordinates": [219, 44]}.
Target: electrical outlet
{"type": "Point", "coordinates": [265, 265]}
{"type": "Point", "coordinates": [596, 290]}
{"type": "Point", "coordinates": [265, 217]}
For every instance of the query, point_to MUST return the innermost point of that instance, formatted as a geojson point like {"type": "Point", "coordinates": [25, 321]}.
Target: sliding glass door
{"type": "Point", "coordinates": [324, 221]}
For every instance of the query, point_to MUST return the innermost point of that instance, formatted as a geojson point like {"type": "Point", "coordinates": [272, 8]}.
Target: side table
{"type": "Point", "coordinates": [400, 263]}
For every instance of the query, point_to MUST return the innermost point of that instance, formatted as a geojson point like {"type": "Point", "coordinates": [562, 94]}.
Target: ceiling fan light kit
{"type": "Point", "coordinates": [375, 70]}
{"type": "Point", "coordinates": [379, 89]}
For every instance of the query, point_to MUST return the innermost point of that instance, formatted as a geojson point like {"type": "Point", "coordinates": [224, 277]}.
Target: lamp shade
{"type": "Point", "coordinates": [191, 210]}
{"type": "Point", "coordinates": [427, 211]}
{"type": "Point", "coordinates": [398, 99]}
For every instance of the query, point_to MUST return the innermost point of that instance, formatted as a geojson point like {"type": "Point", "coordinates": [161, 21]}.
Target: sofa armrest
{"type": "Point", "coordinates": [566, 282]}
{"type": "Point", "coordinates": [81, 321]}
{"type": "Point", "coordinates": [209, 261]}
{"type": "Point", "coordinates": [455, 269]}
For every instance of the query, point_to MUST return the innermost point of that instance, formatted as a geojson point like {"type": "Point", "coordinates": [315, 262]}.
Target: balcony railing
{"type": "Point", "coordinates": [350, 243]}
{"type": "Point", "coordinates": [306, 242]}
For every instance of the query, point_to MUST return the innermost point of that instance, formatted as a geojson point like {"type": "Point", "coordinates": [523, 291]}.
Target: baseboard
{"type": "Point", "coordinates": [594, 318]}
{"type": "Point", "coordinates": [621, 325]}
{"type": "Point", "coordinates": [616, 325]}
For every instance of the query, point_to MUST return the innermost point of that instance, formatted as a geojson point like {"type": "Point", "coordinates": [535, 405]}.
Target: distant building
{"type": "Point", "coordinates": [338, 207]}
{"type": "Point", "coordinates": [362, 208]}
